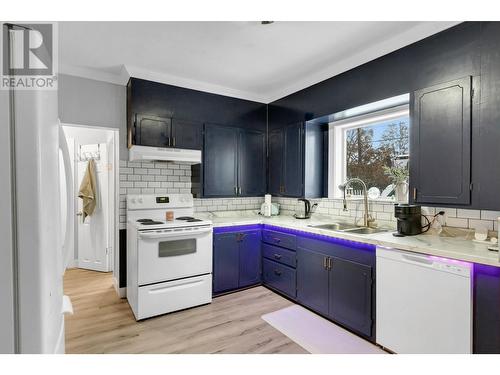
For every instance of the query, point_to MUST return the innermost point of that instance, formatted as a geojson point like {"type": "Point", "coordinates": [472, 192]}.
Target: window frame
{"type": "Point", "coordinates": [337, 150]}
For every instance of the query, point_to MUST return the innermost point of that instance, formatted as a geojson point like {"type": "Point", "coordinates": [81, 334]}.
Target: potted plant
{"type": "Point", "coordinates": [399, 178]}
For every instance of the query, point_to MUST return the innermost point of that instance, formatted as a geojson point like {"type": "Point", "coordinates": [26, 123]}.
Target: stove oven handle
{"type": "Point", "coordinates": [172, 234]}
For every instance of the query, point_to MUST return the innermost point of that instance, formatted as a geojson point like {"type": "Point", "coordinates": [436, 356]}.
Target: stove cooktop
{"type": "Point", "coordinates": [188, 219]}
{"type": "Point", "coordinates": [149, 222]}
{"type": "Point", "coordinates": [182, 221]}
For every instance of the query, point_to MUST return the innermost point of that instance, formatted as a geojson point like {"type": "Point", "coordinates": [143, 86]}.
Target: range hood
{"type": "Point", "coordinates": [146, 153]}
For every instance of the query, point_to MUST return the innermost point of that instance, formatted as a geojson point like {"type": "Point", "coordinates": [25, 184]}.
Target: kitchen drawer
{"type": "Point", "coordinates": [279, 254]}
{"type": "Point", "coordinates": [279, 239]}
{"type": "Point", "coordinates": [279, 276]}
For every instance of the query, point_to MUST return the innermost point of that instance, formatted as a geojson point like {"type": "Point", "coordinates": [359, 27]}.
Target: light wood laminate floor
{"type": "Point", "coordinates": [103, 323]}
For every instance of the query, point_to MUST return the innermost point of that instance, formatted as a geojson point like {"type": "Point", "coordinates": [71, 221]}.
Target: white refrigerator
{"type": "Point", "coordinates": [31, 242]}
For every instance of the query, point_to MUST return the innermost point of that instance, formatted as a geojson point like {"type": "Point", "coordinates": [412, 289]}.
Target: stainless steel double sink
{"type": "Point", "coordinates": [348, 228]}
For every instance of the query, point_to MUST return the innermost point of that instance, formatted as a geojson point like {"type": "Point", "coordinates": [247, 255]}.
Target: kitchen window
{"type": "Point", "coordinates": [364, 145]}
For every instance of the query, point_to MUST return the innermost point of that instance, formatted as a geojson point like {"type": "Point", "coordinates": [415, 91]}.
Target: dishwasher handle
{"type": "Point", "coordinates": [417, 259]}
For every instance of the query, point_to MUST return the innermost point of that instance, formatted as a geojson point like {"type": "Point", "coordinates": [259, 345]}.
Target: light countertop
{"type": "Point", "coordinates": [449, 247]}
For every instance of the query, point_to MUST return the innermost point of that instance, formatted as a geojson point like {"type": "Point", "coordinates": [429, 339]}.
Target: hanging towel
{"type": "Point", "coordinates": [88, 189]}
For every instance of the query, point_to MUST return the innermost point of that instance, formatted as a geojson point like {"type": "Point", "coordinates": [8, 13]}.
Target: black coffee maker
{"type": "Point", "coordinates": [409, 217]}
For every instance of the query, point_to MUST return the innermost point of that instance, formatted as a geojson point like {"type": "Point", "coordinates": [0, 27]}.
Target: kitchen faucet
{"type": "Point", "coordinates": [367, 219]}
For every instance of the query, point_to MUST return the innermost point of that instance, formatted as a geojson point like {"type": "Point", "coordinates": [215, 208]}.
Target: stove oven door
{"type": "Point", "coordinates": [172, 254]}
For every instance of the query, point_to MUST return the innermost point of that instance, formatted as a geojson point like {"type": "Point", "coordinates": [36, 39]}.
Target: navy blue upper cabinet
{"type": "Point", "coordinates": [312, 280]}
{"type": "Point", "coordinates": [234, 162]}
{"type": "Point", "coordinates": [350, 295]}
{"type": "Point", "coordinates": [275, 162]}
{"type": "Point", "coordinates": [151, 130]}
{"type": "Point", "coordinates": [293, 166]}
{"type": "Point", "coordinates": [295, 160]}
{"type": "Point", "coordinates": [250, 258]}
{"type": "Point", "coordinates": [226, 262]}
{"type": "Point", "coordinates": [440, 162]}
{"type": "Point", "coordinates": [186, 134]}
{"type": "Point", "coordinates": [251, 163]}
{"type": "Point", "coordinates": [486, 150]}
{"type": "Point", "coordinates": [188, 110]}
{"type": "Point", "coordinates": [220, 161]}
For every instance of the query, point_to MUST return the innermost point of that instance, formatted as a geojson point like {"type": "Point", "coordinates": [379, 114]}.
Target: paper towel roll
{"type": "Point", "coordinates": [267, 198]}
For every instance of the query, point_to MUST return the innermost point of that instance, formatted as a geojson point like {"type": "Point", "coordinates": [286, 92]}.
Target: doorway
{"type": "Point", "coordinates": [96, 235]}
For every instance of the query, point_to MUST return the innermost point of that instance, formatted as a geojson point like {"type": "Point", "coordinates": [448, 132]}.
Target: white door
{"type": "Point", "coordinates": [93, 239]}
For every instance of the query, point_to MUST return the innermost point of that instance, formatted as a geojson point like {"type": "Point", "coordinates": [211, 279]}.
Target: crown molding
{"type": "Point", "coordinates": [95, 74]}
{"type": "Point", "coordinates": [419, 32]}
{"type": "Point", "coordinates": [173, 80]}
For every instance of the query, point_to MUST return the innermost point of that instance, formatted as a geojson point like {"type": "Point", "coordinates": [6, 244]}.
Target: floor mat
{"type": "Point", "coordinates": [316, 334]}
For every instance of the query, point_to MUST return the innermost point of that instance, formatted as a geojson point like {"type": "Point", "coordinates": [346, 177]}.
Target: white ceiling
{"type": "Point", "coordinates": [241, 59]}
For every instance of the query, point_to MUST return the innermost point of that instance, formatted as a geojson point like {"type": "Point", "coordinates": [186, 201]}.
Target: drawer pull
{"type": "Point", "coordinates": [277, 256]}
{"type": "Point", "coordinates": [277, 272]}
{"type": "Point", "coordinates": [277, 239]}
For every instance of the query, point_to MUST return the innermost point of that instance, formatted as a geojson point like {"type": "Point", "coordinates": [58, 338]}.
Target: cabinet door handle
{"type": "Point", "coordinates": [277, 272]}
{"type": "Point", "coordinates": [330, 263]}
{"type": "Point", "coordinates": [414, 194]}
{"type": "Point", "coordinates": [235, 190]}
{"type": "Point", "coordinates": [277, 256]}
{"type": "Point", "coordinates": [239, 190]}
{"type": "Point", "coordinates": [325, 263]}
{"type": "Point", "coordinates": [168, 141]}
{"type": "Point", "coordinates": [173, 141]}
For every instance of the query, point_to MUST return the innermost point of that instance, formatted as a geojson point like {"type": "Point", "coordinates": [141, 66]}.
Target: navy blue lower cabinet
{"type": "Point", "coordinates": [250, 258]}
{"type": "Point", "coordinates": [226, 262]}
{"type": "Point", "coordinates": [312, 280]}
{"type": "Point", "coordinates": [335, 278]}
{"type": "Point", "coordinates": [486, 309]}
{"type": "Point", "coordinates": [350, 295]}
{"type": "Point", "coordinates": [236, 259]}
{"type": "Point", "coordinates": [279, 277]}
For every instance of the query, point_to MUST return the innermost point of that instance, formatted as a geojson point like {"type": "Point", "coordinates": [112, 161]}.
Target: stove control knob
{"type": "Point", "coordinates": [132, 200]}
{"type": "Point", "coordinates": [140, 200]}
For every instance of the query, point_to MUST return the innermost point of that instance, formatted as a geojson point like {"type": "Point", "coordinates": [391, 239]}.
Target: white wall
{"type": "Point", "coordinates": [94, 103]}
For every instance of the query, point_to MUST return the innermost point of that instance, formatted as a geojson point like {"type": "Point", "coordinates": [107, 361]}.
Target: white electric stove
{"type": "Point", "coordinates": [169, 263]}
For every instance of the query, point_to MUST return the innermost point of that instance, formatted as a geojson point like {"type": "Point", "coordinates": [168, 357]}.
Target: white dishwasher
{"type": "Point", "coordinates": [424, 303]}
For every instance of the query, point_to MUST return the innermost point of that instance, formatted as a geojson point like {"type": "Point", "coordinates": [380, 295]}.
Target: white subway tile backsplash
{"type": "Point", "coordinates": [468, 214]}
{"type": "Point", "coordinates": [490, 215]}
{"type": "Point", "coordinates": [169, 178]}
{"type": "Point", "coordinates": [140, 171]}
{"type": "Point", "coordinates": [153, 171]}
{"type": "Point", "coordinates": [457, 222]}
{"type": "Point", "coordinates": [126, 170]}
{"type": "Point", "coordinates": [481, 224]}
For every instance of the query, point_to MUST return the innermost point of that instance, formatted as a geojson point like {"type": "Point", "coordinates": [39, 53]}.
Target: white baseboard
{"type": "Point", "coordinates": [73, 263]}
{"type": "Point", "coordinates": [122, 292]}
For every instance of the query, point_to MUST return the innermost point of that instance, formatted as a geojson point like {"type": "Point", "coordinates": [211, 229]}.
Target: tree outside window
{"type": "Point", "coordinates": [370, 148]}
